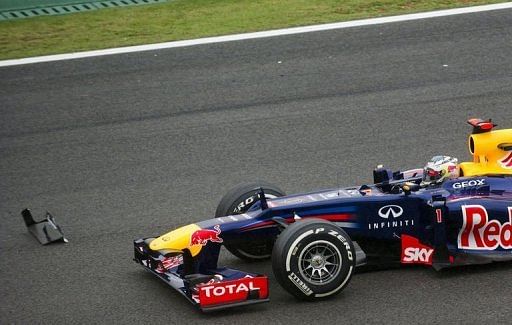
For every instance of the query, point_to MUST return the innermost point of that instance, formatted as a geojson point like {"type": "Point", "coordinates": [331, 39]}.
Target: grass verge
{"type": "Point", "coordinates": [187, 19]}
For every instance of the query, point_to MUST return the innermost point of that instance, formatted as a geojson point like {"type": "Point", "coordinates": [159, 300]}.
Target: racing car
{"type": "Point", "coordinates": [443, 215]}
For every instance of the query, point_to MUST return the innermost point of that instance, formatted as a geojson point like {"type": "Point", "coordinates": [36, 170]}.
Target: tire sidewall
{"type": "Point", "coordinates": [238, 200]}
{"type": "Point", "coordinates": [245, 195]}
{"type": "Point", "coordinates": [245, 201]}
{"type": "Point", "coordinates": [292, 243]}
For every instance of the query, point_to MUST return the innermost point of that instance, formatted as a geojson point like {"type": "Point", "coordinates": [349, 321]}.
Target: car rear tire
{"type": "Point", "coordinates": [237, 201]}
{"type": "Point", "coordinates": [313, 259]}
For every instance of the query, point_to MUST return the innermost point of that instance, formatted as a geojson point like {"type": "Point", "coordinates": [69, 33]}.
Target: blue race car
{"type": "Point", "coordinates": [443, 215]}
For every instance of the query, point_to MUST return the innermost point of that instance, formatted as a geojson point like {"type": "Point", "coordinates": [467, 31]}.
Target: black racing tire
{"type": "Point", "coordinates": [313, 259]}
{"type": "Point", "coordinates": [237, 201]}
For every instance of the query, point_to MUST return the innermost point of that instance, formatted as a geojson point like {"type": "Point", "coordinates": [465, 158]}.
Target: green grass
{"type": "Point", "coordinates": [187, 19]}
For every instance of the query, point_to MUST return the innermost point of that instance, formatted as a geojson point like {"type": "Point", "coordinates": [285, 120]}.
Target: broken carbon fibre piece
{"type": "Point", "coordinates": [46, 231]}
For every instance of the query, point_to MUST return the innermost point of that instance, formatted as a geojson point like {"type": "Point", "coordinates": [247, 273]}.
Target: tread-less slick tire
{"type": "Point", "coordinates": [237, 201]}
{"type": "Point", "coordinates": [313, 259]}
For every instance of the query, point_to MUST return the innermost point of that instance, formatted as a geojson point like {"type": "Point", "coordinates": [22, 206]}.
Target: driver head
{"type": "Point", "coordinates": [440, 168]}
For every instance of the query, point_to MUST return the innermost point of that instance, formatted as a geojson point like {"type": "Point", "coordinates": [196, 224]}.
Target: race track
{"type": "Point", "coordinates": [125, 146]}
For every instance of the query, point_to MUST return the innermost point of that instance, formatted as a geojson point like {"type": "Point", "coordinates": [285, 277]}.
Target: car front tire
{"type": "Point", "coordinates": [313, 259]}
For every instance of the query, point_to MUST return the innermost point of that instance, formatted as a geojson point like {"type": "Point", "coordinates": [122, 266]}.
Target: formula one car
{"type": "Point", "coordinates": [316, 240]}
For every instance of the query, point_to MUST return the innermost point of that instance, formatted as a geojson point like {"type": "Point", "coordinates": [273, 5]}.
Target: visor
{"type": "Point", "coordinates": [431, 174]}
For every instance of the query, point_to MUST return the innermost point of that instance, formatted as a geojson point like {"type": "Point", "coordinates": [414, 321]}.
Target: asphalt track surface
{"type": "Point", "coordinates": [126, 146]}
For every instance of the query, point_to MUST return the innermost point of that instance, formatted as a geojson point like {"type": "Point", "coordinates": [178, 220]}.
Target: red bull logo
{"type": "Point", "coordinates": [203, 236]}
{"type": "Point", "coordinates": [168, 263]}
{"type": "Point", "coordinates": [507, 161]}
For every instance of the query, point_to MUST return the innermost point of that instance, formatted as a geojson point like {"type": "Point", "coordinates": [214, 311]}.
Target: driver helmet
{"type": "Point", "coordinates": [440, 168]}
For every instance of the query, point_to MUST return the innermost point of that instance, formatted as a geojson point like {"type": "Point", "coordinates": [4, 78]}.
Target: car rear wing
{"type": "Point", "coordinates": [481, 126]}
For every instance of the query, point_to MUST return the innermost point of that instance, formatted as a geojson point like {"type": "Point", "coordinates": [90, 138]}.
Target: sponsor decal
{"type": "Point", "coordinates": [393, 214]}
{"type": "Point", "coordinates": [391, 224]}
{"type": "Point", "coordinates": [292, 200]}
{"type": "Point", "coordinates": [203, 236]}
{"type": "Point", "coordinates": [394, 211]}
{"type": "Point", "coordinates": [300, 284]}
{"type": "Point", "coordinates": [232, 291]}
{"type": "Point", "coordinates": [414, 252]}
{"type": "Point", "coordinates": [243, 206]}
{"type": "Point", "coordinates": [343, 240]}
{"type": "Point", "coordinates": [480, 233]}
{"type": "Point", "coordinates": [353, 192]}
{"type": "Point", "coordinates": [195, 292]}
{"type": "Point", "coordinates": [506, 162]}
{"type": "Point", "coordinates": [168, 263]}
{"type": "Point", "coordinates": [331, 195]}
{"type": "Point", "coordinates": [173, 261]}
{"type": "Point", "coordinates": [471, 183]}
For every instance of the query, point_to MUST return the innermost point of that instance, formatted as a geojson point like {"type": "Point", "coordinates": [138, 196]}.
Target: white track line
{"type": "Point", "coordinates": [270, 33]}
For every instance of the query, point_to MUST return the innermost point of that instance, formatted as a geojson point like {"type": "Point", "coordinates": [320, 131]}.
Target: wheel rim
{"type": "Point", "coordinates": [320, 262]}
